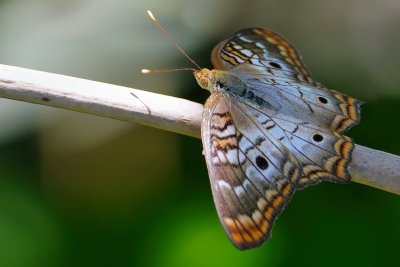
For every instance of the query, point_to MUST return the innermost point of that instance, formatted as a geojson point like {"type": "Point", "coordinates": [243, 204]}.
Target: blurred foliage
{"type": "Point", "coordinates": [77, 190]}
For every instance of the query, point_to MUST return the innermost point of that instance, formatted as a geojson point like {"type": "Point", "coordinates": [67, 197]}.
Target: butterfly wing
{"type": "Point", "coordinates": [276, 77]}
{"type": "Point", "coordinates": [264, 50]}
{"type": "Point", "coordinates": [252, 175]}
{"type": "Point", "coordinates": [275, 71]}
{"type": "Point", "coordinates": [322, 153]}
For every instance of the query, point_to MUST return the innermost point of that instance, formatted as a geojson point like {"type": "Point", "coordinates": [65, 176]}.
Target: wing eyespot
{"type": "Point", "coordinates": [262, 163]}
{"type": "Point", "coordinates": [322, 100]}
{"type": "Point", "coordinates": [318, 138]}
{"type": "Point", "coordinates": [275, 65]}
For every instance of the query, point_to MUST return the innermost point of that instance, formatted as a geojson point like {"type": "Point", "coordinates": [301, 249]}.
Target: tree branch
{"type": "Point", "coordinates": [370, 167]}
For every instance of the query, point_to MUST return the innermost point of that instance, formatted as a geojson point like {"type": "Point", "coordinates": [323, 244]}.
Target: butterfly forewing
{"type": "Point", "coordinates": [264, 51]}
{"type": "Point", "coordinates": [252, 175]}
{"type": "Point", "coordinates": [274, 70]}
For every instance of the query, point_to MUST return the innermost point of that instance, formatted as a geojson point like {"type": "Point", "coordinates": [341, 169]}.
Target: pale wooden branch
{"type": "Point", "coordinates": [370, 167]}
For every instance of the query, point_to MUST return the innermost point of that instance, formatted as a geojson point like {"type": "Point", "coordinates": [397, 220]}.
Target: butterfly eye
{"type": "Point", "coordinates": [205, 80]}
{"type": "Point", "coordinates": [275, 65]}
{"type": "Point", "coordinates": [262, 163]}
{"type": "Point", "coordinates": [323, 100]}
{"type": "Point", "coordinates": [318, 138]}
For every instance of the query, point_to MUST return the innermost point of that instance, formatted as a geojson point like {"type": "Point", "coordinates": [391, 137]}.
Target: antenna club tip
{"type": "Point", "coordinates": [151, 15]}
{"type": "Point", "coordinates": [145, 71]}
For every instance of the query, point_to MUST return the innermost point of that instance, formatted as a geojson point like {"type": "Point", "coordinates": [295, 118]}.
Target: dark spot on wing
{"type": "Point", "coordinates": [323, 100]}
{"type": "Point", "coordinates": [318, 138]}
{"type": "Point", "coordinates": [262, 163]}
{"type": "Point", "coordinates": [275, 65]}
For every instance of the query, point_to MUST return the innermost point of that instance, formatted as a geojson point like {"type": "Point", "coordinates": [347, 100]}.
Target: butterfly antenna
{"type": "Point", "coordinates": [147, 71]}
{"type": "Point", "coordinates": [153, 18]}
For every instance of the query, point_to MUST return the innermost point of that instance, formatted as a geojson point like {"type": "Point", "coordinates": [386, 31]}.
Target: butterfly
{"type": "Point", "coordinates": [268, 129]}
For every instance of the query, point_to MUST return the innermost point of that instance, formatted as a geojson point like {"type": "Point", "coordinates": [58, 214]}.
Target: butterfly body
{"type": "Point", "coordinates": [268, 129]}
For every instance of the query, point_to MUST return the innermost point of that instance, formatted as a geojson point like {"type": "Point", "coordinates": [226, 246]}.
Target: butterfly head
{"type": "Point", "coordinates": [205, 78]}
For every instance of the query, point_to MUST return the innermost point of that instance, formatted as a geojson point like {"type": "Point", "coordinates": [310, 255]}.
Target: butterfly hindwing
{"type": "Point", "coordinates": [322, 153]}
{"type": "Point", "coordinates": [326, 108]}
{"type": "Point", "coordinates": [252, 175]}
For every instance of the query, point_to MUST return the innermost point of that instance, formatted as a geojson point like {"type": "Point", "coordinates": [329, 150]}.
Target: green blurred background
{"type": "Point", "coordinates": [80, 190]}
